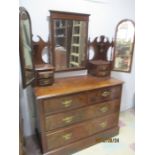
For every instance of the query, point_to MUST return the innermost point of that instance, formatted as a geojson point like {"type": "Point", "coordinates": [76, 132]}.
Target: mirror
{"type": "Point", "coordinates": [69, 40]}
{"type": "Point", "coordinates": [45, 55]}
{"type": "Point", "coordinates": [25, 47]}
{"type": "Point", "coordinates": [91, 53]}
{"type": "Point", "coordinates": [124, 45]}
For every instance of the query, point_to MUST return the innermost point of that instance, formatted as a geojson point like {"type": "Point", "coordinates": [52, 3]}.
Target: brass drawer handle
{"type": "Point", "coordinates": [103, 124]}
{"type": "Point", "coordinates": [67, 136]}
{"type": "Point", "coordinates": [67, 103]}
{"type": "Point", "coordinates": [106, 93]}
{"type": "Point", "coordinates": [104, 109]}
{"type": "Point", "coordinates": [68, 119]}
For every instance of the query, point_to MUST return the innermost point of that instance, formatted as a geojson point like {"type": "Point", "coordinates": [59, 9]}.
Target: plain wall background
{"type": "Point", "coordinates": [103, 20]}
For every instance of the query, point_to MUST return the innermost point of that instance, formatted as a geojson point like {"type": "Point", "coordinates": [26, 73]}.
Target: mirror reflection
{"type": "Point", "coordinates": [91, 53]}
{"type": "Point", "coordinates": [69, 43]}
{"type": "Point", "coordinates": [124, 46]}
{"type": "Point", "coordinates": [45, 55]}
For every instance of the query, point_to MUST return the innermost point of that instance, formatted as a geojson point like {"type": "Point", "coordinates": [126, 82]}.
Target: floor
{"type": "Point", "coordinates": [123, 144]}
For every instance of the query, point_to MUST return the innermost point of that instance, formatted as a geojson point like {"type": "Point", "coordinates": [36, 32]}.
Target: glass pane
{"type": "Point", "coordinates": [26, 48]}
{"type": "Point", "coordinates": [69, 38]}
{"type": "Point", "coordinates": [124, 46]}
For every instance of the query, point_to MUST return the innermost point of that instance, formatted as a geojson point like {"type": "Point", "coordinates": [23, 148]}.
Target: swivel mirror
{"type": "Point", "coordinates": [124, 44]}
{"type": "Point", "coordinates": [69, 40]}
{"type": "Point", "coordinates": [25, 47]}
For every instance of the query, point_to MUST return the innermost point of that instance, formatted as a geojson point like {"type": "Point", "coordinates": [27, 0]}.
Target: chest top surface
{"type": "Point", "coordinates": [69, 85]}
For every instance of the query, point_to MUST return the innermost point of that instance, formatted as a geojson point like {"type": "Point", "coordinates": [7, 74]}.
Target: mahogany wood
{"type": "Point", "coordinates": [69, 15]}
{"type": "Point", "coordinates": [80, 130]}
{"type": "Point", "coordinates": [100, 47]}
{"type": "Point", "coordinates": [84, 143]}
{"type": "Point", "coordinates": [64, 128]}
{"type": "Point", "coordinates": [68, 102]}
{"type": "Point", "coordinates": [70, 85]}
{"type": "Point", "coordinates": [81, 114]}
{"type": "Point", "coordinates": [99, 65]}
{"type": "Point", "coordinates": [44, 74]}
{"type": "Point", "coordinates": [38, 48]}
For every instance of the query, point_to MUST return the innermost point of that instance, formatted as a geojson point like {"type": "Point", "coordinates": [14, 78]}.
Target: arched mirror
{"type": "Point", "coordinates": [25, 47]}
{"type": "Point", "coordinates": [124, 46]}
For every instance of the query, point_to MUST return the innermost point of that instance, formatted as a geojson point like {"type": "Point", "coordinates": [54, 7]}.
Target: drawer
{"type": "Point", "coordinates": [81, 114]}
{"type": "Point", "coordinates": [103, 73]}
{"type": "Point", "coordinates": [45, 74]}
{"type": "Point", "coordinates": [100, 95]}
{"type": "Point", "coordinates": [81, 130]}
{"type": "Point", "coordinates": [45, 81]}
{"type": "Point", "coordinates": [59, 104]}
{"type": "Point", "coordinates": [103, 67]}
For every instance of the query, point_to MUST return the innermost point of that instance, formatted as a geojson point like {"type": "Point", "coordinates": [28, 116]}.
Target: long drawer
{"type": "Point", "coordinates": [67, 118]}
{"type": "Point", "coordinates": [81, 130]}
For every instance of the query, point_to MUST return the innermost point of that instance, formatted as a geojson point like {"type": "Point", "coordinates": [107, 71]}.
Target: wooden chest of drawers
{"type": "Point", "coordinates": [74, 112]}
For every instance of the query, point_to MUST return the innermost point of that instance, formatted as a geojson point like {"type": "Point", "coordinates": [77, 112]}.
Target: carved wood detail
{"type": "Point", "coordinates": [38, 48]}
{"type": "Point", "coordinates": [101, 47]}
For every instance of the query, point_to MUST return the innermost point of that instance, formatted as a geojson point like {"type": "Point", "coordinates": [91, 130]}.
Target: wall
{"type": "Point", "coordinates": [103, 20]}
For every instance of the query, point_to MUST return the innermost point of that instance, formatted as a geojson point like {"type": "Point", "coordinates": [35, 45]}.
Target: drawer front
{"type": "Point", "coordinates": [100, 95]}
{"type": "Point", "coordinates": [45, 74]}
{"type": "Point", "coordinates": [45, 82]}
{"type": "Point", "coordinates": [103, 73]}
{"type": "Point", "coordinates": [81, 130]}
{"type": "Point", "coordinates": [81, 114]}
{"type": "Point", "coordinates": [103, 67]}
{"type": "Point", "coordinates": [64, 103]}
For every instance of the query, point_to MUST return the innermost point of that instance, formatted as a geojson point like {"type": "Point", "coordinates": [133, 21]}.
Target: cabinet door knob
{"type": "Point", "coordinates": [106, 93]}
{"type": "Point", "coordinates": [67, 103]}
{"type": "Point", "coordinates": [67, 136]}
{"type": "Point", "coordinates": [104, 109]}
{"type": "Point", "coordinates": [103, 124]}
{"type": "Point", "coordinates": [68, 119]}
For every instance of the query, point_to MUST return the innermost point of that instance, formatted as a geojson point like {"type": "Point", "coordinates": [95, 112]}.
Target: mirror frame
{"type": "Point", "coordinates": [25, 82]}
{"type": "Point", "coordinates": [132, 49]}
{"type": "Point", "coordinates": [59, 15]}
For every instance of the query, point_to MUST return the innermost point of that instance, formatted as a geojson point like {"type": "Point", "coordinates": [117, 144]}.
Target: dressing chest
{"type": "Point", "coordinates": [75, 112]}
